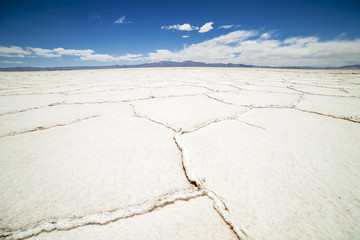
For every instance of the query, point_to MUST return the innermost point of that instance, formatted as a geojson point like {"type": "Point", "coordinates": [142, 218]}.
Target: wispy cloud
{"type": "Point", "coordinates": [342, 35]}
{"type": "Point", "coordinates": [183, 27]}
{"type": "Point", "coordinates": [18, 62]}
{"type": "Point", "coordinates": [225, 26]}
{"type": "Point", "coordinates": [206, 27]}
{"type": "Point", "coordinates": [185, 36]}
{"type": "Point", "coordinates": [121, 20]}
{"type": "Point", "coordinates": [13, 51]}
{"type": "Point", "coordinates": [253, 47]}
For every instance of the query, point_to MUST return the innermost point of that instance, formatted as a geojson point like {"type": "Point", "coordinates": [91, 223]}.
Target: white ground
{"type": "Point", "coordinates": [180, 153]}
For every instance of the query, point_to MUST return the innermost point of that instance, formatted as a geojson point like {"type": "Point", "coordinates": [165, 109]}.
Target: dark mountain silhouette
{"type": "Point", "coordinates": [350, 67]}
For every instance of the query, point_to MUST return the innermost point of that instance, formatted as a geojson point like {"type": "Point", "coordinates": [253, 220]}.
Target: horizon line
{"type": "Point", "coordinates": [186, 63]}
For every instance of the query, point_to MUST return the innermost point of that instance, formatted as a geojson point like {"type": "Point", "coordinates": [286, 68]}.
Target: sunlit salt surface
{"type": "Point", "coordinates": [180, 153]}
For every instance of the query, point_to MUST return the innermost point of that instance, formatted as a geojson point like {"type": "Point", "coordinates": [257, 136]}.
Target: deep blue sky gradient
{"type": "Point", "coordinates": [90, 24]}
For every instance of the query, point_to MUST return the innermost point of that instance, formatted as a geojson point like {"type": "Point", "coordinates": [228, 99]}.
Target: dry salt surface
{"type": "Point", "coordinates": [180, 153]}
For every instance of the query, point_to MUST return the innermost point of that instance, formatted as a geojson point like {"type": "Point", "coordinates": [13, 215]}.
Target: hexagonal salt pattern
{"type": "Point", "coordinates": [180, 153]}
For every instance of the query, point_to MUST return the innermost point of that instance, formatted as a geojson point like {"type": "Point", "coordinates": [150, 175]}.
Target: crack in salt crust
{"type": "Point", "coordinates": [49, 127]}
{"type": "Point", "coordinates": [219, 204]}
{"type": "Point", "coordinates": [103, 218]}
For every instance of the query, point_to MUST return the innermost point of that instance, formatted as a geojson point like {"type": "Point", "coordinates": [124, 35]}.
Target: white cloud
{"type": "Point", "coordinates": [206, 27]}
{"type": "Point", "coordinates": [207, 51]}
{"type": "Point", "coordinates": [73, 52]}
{"type": "Point", "coordinates": [120, 20]}
{"type": "Point", "coordinates": [187, 27]}
{"type": "Point", "coordinates": [85, 55]}
{"type": "Point", "coordinates": [109, 58]}
{"type": "Point", "coordinates": [226, 26]}
{"type": "Point", "coordinates": [185, 36]}
{"type": "Point", "coordinates": [251, 47]}
{"type": "Point", "coordinates": [48, 53]}
{"type": "Point", "coordinates": [265, 36]}
{"type": "Point", "coordinates": [243, 46]}
{"type": "Point", "coordinates": [98, 57]}
{"type": "Point", "coordinates": [19, 62]}
{"type": "Point", "coordinates": [184, 27]}
{"type": "Point", "coordinates": [13, 51]}
{"type": "Point", "coordinates": [58, 52]}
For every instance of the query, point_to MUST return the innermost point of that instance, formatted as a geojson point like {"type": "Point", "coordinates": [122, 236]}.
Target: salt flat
{"type": "Point", "coordinates": [180, 153]}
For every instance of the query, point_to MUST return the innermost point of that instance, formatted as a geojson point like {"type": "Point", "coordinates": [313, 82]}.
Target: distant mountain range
{"type": "Point", "coordinates": [162, 64]}
{"type": "Point", "coordinates": [350, 67]}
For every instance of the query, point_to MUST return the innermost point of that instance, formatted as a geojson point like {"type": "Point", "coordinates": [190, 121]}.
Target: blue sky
{"type": "Point", "coordinates": [272, 33]}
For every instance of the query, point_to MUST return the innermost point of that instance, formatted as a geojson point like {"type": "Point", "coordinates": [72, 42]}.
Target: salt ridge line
{"type": "Point", "coordinates": [41, 128]}
{"type": "Point", "coordinates": [138, 115]}
{"type": "Point", "coordinates": [219, 204]}
{"type": "Point", "coordinates": [215, 120]}
{"type": "Point", "coordinates": [96, 102]}
{"type": "Point", "coordinates": [294, 107]}
{"type": "Point", "coordinates": [103, 218]}
{"type": "Point", "coordinates": [321, 94]}
{"type": "Point", "coordinates": [250, 105]}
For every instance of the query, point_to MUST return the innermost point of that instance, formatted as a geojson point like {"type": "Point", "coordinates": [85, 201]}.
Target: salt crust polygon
{"type": "Point", "coordinates": [96, 165]}
{"type": "Point", "coordinates": [185, 112]}
{"type": "Point", "coordinates": [285, 174]}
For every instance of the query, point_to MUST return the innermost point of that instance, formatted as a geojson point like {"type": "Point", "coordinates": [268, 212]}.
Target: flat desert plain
{"type": "Point", "coordinates": [180, 153]}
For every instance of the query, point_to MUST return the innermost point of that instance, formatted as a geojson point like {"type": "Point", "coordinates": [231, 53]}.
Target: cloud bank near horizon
{"type": "Point", "coordinates": [243, 46]}
{"type": "Point", "coordinates": [255, 48]}
{"type": "Point", "coordinates": [83, 55]}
